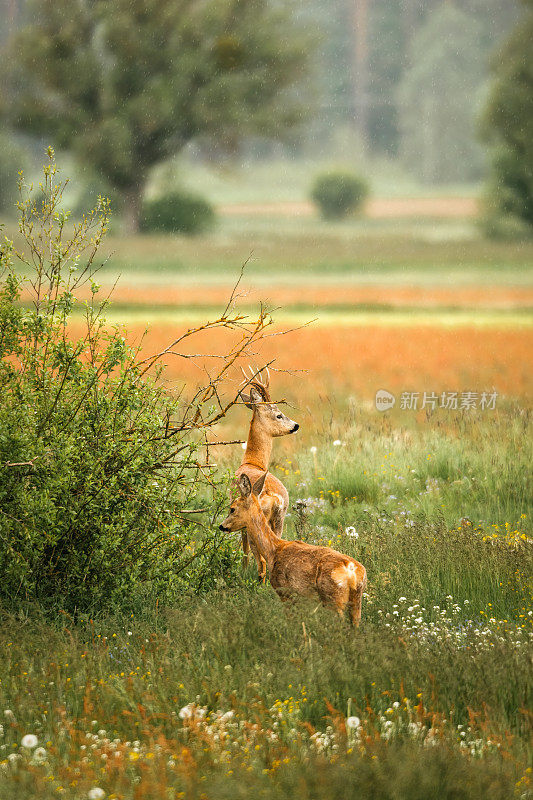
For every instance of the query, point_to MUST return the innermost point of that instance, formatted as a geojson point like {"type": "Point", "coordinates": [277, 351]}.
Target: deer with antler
{"type": "Point", "coordinates": [267, 422]}
{"type": "Point", "coordinates": [295, 567]}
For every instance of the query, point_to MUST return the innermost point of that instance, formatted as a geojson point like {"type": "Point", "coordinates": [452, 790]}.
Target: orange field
{"type": "Point", "coordinates": [360, 360]}
{"type": "Point", "coordinates": [283, 296]}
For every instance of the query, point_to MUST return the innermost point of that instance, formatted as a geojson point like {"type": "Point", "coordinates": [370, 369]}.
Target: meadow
{"type": "Point", "coordinates": [227, 693]}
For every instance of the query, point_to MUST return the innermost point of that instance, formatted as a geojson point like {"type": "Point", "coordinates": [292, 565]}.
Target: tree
{"type": "Point", "coordinates": [508, 124]}
{"type": "Point", "coordinates": [125, 84]}
{"type": "Point", "coordinates": [439, 95]}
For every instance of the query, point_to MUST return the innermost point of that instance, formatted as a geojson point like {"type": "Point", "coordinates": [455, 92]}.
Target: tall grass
{"type": "Point", "coordinates": [231, 693]}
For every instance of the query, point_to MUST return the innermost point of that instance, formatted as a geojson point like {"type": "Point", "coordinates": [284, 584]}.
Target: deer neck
{"type": "Point", "coordinates": [258, 446]}
{"type": "Point", "coordinates": [262, 534]}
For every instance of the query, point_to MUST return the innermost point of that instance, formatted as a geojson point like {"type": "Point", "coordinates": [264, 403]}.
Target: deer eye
{"type": "Point", "coordinates": [279, 416]}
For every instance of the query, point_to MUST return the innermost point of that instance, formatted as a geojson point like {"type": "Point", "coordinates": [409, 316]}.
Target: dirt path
{"type": "Point", "coordinates": [376, 208]}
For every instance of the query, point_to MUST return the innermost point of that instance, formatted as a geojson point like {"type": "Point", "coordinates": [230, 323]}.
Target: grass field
{"type": "Point", "coordinates": [230, 694]}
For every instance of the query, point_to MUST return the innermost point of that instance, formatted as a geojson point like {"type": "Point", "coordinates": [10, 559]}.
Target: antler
{"type": "Point", "coordinates": [259, 379]}
{"type": "Point", "coordinates": [257, 376]}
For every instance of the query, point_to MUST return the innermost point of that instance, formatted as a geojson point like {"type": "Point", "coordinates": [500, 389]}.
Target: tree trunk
{"type": "Point", "coordinates": [131, 215]}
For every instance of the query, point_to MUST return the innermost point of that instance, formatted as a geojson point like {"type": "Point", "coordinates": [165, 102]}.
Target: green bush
{"type": "Point", "coordinates": [338, 194]}
{"type": "Point", "coordinates": [179, 212]}
{"type": "Point", "coordinates": [99, 466]}
{"type": "Point", "coordinates": [508, 200]}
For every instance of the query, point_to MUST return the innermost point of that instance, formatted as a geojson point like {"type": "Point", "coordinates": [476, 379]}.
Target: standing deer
{"type": "Point", "coordinates": [297, 567]}
{"type": "Point", "coordinates": [267, 422]}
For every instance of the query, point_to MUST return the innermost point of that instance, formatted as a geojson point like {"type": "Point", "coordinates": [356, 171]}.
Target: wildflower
{"type": "Point", "coordinates": [337, 443]}
{"type": "Point", "coordinates": [29, 741]}
{"type": "Point", "coordinates": [186, 712]}
{"type": "Point", "coordinates": [353, 722]}
{"type": "Point", "coordinates": [40, 754]}
{"type": "Point", "coordinates": [9, 714]}
{"type": "Point", "coordinates": [313, 449]}
{"type": "Point", "coordinates": [96, 793]}
{"type": "Point", "coordinates": [350, 531]}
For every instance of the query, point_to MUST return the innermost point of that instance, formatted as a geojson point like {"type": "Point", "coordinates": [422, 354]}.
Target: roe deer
{"type": "Point", "coordinates": [267, 422]}
{"type": "Point", "coordinates": [297, 567]}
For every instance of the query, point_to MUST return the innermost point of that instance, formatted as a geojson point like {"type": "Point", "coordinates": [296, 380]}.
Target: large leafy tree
{"type": "Point", "coordinates": [126, 83]}
{"type": "Point", "coordinates": [508, 123]}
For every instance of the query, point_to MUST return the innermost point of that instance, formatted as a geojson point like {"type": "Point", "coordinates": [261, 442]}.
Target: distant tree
{"type": "Point", "coordinates": [439, 95]}
{"type": "Point", "coordinates": [393, 24]}
{"type": "Point", "coordinates": [126, 83]}
{"type": "Point", "coordinates": [508, 124]}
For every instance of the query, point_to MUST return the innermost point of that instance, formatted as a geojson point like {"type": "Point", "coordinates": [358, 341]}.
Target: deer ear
{"type": "Point", "coordinates": [255, 395]}
{"type": "Point", "coordinates": [247, 400]}
{"type": "Point", "coordinates": [245, 487]}
{"type": "Point", "coordinates": [258, 485]}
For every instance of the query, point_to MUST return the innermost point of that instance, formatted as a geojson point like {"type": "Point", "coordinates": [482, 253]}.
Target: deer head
{"type": "Point", "coordinates": [241, 507]}
{"type": "Point", "coordinates": [273, 421]}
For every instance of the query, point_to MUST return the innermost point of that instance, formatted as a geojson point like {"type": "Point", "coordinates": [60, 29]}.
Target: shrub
{"type": "Point", "coordinates": [338, 194]}
{"type": "Point", "coordinates": [100, 468]}
{"type": "Point", "coordinates": [178, 212]}
{"type": "Point", "coordinates": [508, 200]}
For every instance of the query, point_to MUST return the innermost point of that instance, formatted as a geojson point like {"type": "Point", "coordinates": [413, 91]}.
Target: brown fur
{"type": "Point", "coordinates": [295, 567]}
{"type": "Point", "coordinates": [267, 422]}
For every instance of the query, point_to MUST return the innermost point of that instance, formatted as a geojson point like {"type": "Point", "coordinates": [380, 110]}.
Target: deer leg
{"type": "Point", "coordinates": [355, 603]}
{"type": "Point", "coordinates": [262, 568]}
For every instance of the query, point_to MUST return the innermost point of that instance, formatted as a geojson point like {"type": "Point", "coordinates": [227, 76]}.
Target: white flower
{"type": "Point", "coordinates": [9, 714]}
{"type": "Point", "coordinates": [29, 741]}
{"type": "Point", "coordinates": [96, 793]}
{"type": "Point", "coordinates": [353, 722]}
{"type": "Point", "coordinates": [186, 712]}
{"type": "Point", "coordinates": [40, 754]}
{"type": "Point", "coordinates": [350, 531]}
{"type": "Point", "coordinates": [313, 449]}
{"type": "Point", "coordinates": [337, 443]}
